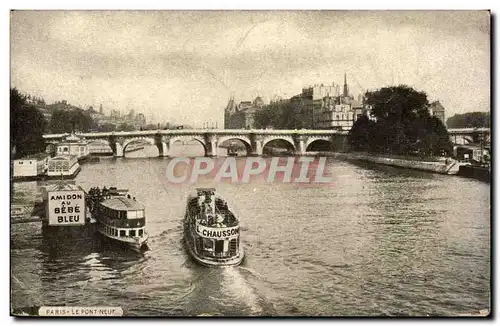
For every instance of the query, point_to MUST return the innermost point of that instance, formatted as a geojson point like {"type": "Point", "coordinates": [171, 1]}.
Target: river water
{"type": "Point", "coordinates": [377, 241]}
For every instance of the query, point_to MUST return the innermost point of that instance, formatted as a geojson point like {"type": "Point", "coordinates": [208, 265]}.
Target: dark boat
{"type": "Point", "coordinates": [232, 150]}
{"type": "Point", "coordinates": [478, 172]}
{"type": "Point", "coordinates": [211, 231]}
{"type": "Point", "coordinates": [120, 218]}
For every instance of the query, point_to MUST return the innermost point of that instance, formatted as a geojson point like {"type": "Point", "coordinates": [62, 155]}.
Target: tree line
{"type": "Point", "coordinates": [280, 115]}
{"type": "Point", "coordinates": [469, 120]}
{"type": "Point", "coordinates": [27, 125]}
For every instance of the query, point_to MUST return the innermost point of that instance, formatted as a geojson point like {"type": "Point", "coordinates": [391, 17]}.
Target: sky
{"type": "Point", "coordinates": [183, 66]}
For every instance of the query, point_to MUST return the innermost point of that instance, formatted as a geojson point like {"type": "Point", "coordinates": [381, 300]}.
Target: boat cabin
{"type": "Point", "coordinates": [31, 166]}
{"type": "Point", "coordinates": [62, 165]}
{"type": "Point", "coordinates": [73, 145]}
{"type": "Point", "coordinates": [121, 216]}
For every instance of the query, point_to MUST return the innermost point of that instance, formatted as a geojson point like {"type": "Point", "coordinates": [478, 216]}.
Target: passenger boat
{"type": "Point", "coordinates": [63, 167]}
{"type": "Point", "coordinates": [211, 231]}
{"type": "Point", "coordinates": [119, 217]}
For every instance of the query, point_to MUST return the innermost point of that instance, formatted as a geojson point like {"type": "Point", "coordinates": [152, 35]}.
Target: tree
{"type": "Point", "coordinates": [27, 125]}
{"type": "Point", "coordinates": [359, 136]}
{"type": "Point", "coordinates": [106, 127]}
{"type": "Point", "coordinates": [469, 120]}
{"type": "Point", "coordinates": [403, 124]}
{"type": "Point", "coordinates": [126, 127]}
{"type": "Point", "coordinates": [64, 121]}
{"type": "Point", "coordinates": [279, 115]}
{"type": "Point", "coordinates": [150, 126]}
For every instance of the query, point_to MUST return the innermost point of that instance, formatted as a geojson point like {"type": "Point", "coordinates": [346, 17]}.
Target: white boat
{"type": "Point", "coordinates": [119, 217]}
{"type": "Point", "coordinates": [63, 167]}
{"type": "Point", "coordinates": [211, 231]}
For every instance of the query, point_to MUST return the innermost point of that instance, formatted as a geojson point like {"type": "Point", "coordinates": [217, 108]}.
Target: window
{"type": "Point", "coordinates": [123, 233]}
{"type": "Point", "coordinates": [140, 232]}
{"type": "Point", "coordinates": [140, 214]}
{"type": "Point", "coordinates": [132, 233]}
{"type": "Point", "coordinates": [208, 244]}
{"type": "Point", "coordinates": [131, 214]}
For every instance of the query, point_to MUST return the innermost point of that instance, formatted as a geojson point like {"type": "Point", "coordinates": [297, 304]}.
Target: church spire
{"type": "Point", "coordinates": [346, 91]}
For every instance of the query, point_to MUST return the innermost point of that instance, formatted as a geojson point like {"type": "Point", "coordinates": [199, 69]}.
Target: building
{"type": "Point", "coordinates": [338, 113]}
{"type": "Point", "coordinates": [96, 116]}
{"type": "Point", "coordinates": [324, 107]}
{"type": "Point", "coordinates": [73, 146]}
{"type": "Point", "coordinates": [242, 115]}
{"type": "Point", "coordinates": [437, 110]}
{"type": "Point", "coordinates": [30, 166]}
{"type": "Point", "coordinates": [140, 121]}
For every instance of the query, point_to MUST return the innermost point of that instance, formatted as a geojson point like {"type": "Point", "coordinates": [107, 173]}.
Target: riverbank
{"type": "Point", "coordinates": [434, 165]}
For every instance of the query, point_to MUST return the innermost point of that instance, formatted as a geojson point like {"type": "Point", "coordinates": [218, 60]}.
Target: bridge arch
{"type": "Point", "coordinates": [312, 141]}
{"type": "Point", "coordinates": [244, 139]}
{"type": "Point", "coordinates": [287, 140]}
{"type": "Point", "coordinates": [461, 139]}
{"type": "Point", "coordinates": [199, 139]}
{"type": "Point", "coordinates": [148, 140]}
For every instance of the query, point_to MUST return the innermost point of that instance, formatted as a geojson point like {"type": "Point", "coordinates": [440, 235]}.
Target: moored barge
{"type": "Point", "coordinates": [211, 231]}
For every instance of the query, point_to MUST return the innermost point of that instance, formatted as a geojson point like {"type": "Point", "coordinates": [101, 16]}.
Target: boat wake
{"type": "Point", "coordinates": [224, 291]}
{"type": "Point", "coordinates": [236, 287]}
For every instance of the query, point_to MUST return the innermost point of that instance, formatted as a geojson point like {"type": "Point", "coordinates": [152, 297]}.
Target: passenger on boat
{"type": "Point", "coordinates": [201, 199]}
{"type": "Point", "coordinates": [219, 221]}
{"type": "Point", "coordinates": [210, 219]}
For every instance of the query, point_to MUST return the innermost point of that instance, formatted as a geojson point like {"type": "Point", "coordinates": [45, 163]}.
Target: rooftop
{"type": "Point", "coordinates": [122, 204]}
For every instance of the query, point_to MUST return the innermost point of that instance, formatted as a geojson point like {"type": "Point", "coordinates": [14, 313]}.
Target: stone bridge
{"type": "Point", "coordinates": [211, 139]}
{"type": "Point", "coordinates": [465, 136]}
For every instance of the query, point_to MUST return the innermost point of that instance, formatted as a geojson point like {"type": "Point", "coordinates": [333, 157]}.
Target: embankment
{"type": "Point", "coordinates": [441, 166]}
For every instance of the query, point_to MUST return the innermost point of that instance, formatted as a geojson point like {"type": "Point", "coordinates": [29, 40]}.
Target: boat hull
{"type": "Point", "coordinates": [64, 176]}
{"type": "Point", "coordinates": [475, 172]}
{"type": "Point", "coordinates": [137, 246]}
{"type": "Point", "coordinates": [213, 262]}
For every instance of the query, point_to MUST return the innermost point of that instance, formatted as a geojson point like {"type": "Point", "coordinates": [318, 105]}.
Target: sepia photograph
{"type": "Point", "coordinates": [250, 163]}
